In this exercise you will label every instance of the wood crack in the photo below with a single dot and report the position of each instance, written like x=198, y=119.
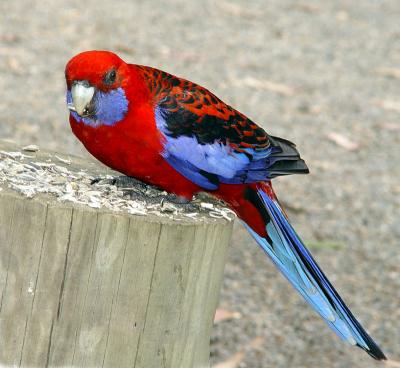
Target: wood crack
x=65, y=267
x=148, y=298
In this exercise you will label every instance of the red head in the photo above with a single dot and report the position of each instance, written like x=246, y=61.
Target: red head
x=100, y=87
x=103, y=70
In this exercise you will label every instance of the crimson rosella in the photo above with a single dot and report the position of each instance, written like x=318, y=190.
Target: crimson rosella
x=176, y=135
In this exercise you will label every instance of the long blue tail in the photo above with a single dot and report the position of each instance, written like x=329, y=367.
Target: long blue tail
x=293, y=259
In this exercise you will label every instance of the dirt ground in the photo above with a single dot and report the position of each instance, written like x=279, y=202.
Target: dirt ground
x=324, y=74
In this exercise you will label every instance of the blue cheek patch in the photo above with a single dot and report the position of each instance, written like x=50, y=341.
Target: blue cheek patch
x=111, y=107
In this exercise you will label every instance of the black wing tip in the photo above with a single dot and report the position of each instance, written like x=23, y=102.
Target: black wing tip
x=288, y=167
x=302, y=167
x=287, y=159
x=275, y=141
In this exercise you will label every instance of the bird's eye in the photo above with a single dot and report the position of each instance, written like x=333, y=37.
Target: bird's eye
x=110, y=77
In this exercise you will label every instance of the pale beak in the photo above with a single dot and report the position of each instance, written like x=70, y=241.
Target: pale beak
x=82, y=94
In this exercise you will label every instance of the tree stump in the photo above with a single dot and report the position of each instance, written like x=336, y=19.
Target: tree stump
x=92, y=278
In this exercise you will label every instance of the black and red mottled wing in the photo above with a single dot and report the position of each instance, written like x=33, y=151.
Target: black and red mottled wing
x=201, y=113
x=209, y=142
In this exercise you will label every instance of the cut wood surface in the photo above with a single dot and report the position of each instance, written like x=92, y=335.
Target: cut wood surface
x=85, y=283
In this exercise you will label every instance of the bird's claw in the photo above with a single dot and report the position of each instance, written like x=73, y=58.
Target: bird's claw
x=123, y=182
x=129, y=186
x=176, y=199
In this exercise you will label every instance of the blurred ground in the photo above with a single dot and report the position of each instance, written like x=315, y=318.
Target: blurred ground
x=315, y=72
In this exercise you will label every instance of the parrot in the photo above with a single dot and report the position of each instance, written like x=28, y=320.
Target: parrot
x=174, y=134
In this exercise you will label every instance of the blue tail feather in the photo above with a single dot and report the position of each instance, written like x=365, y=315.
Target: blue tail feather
x=290, y=255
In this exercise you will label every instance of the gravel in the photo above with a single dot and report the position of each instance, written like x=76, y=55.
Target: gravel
x=303, y=70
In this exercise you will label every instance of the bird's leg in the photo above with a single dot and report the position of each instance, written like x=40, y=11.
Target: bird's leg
x=128, y=185
x=122, y=182
x=176, y=199
x=136, y=189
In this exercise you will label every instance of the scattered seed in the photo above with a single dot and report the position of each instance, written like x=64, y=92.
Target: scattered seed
x=63, y=160
x=31, y=148
x=30, y=178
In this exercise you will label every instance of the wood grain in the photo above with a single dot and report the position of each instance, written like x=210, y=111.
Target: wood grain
x=83, y=287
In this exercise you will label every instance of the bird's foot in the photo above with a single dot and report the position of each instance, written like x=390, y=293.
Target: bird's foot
x=122, y=182
x=136, y=189
x=176, y=199
x=129, y=186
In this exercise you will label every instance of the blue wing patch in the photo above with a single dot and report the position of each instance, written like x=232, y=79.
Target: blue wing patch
x=209, y=164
